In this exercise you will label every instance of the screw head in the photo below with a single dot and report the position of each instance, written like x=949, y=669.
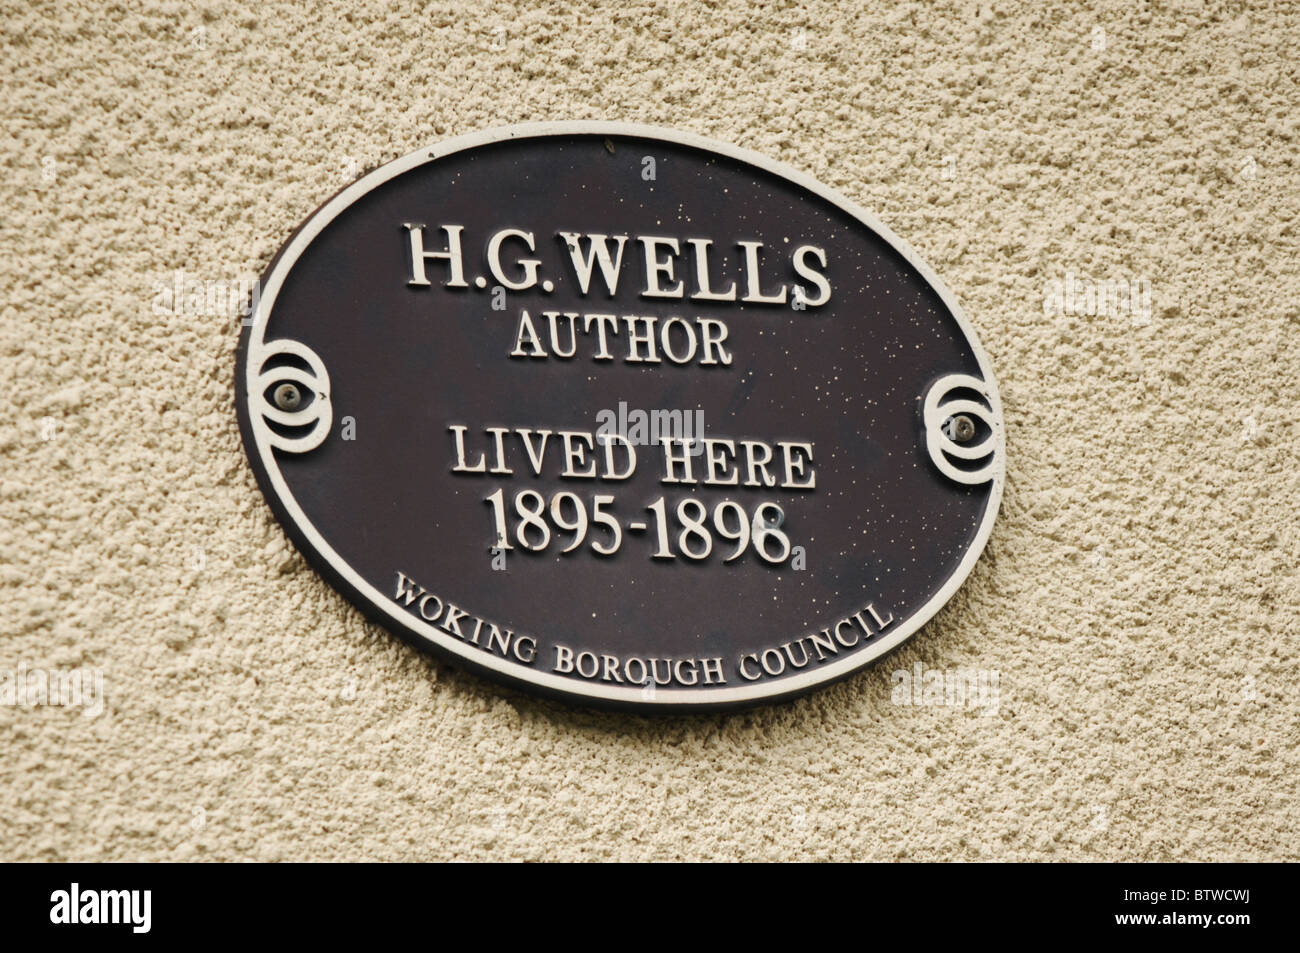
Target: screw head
x=287, y=397
x=961, y=428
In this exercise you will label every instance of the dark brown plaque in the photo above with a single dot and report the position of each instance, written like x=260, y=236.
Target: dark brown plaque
x=621, y=415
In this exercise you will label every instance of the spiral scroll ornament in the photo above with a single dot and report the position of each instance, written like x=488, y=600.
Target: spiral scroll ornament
x=942, y=438
x=289, y=402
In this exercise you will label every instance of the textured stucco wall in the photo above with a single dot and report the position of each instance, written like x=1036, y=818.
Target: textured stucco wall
x=1139, y=596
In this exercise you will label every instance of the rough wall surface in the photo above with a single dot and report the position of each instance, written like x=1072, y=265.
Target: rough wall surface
x=1138, y=601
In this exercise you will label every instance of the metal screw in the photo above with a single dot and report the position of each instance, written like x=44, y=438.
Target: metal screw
x=961, y=428
x=287, y=397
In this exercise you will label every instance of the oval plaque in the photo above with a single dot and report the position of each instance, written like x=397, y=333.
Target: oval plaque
x=621, y=415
